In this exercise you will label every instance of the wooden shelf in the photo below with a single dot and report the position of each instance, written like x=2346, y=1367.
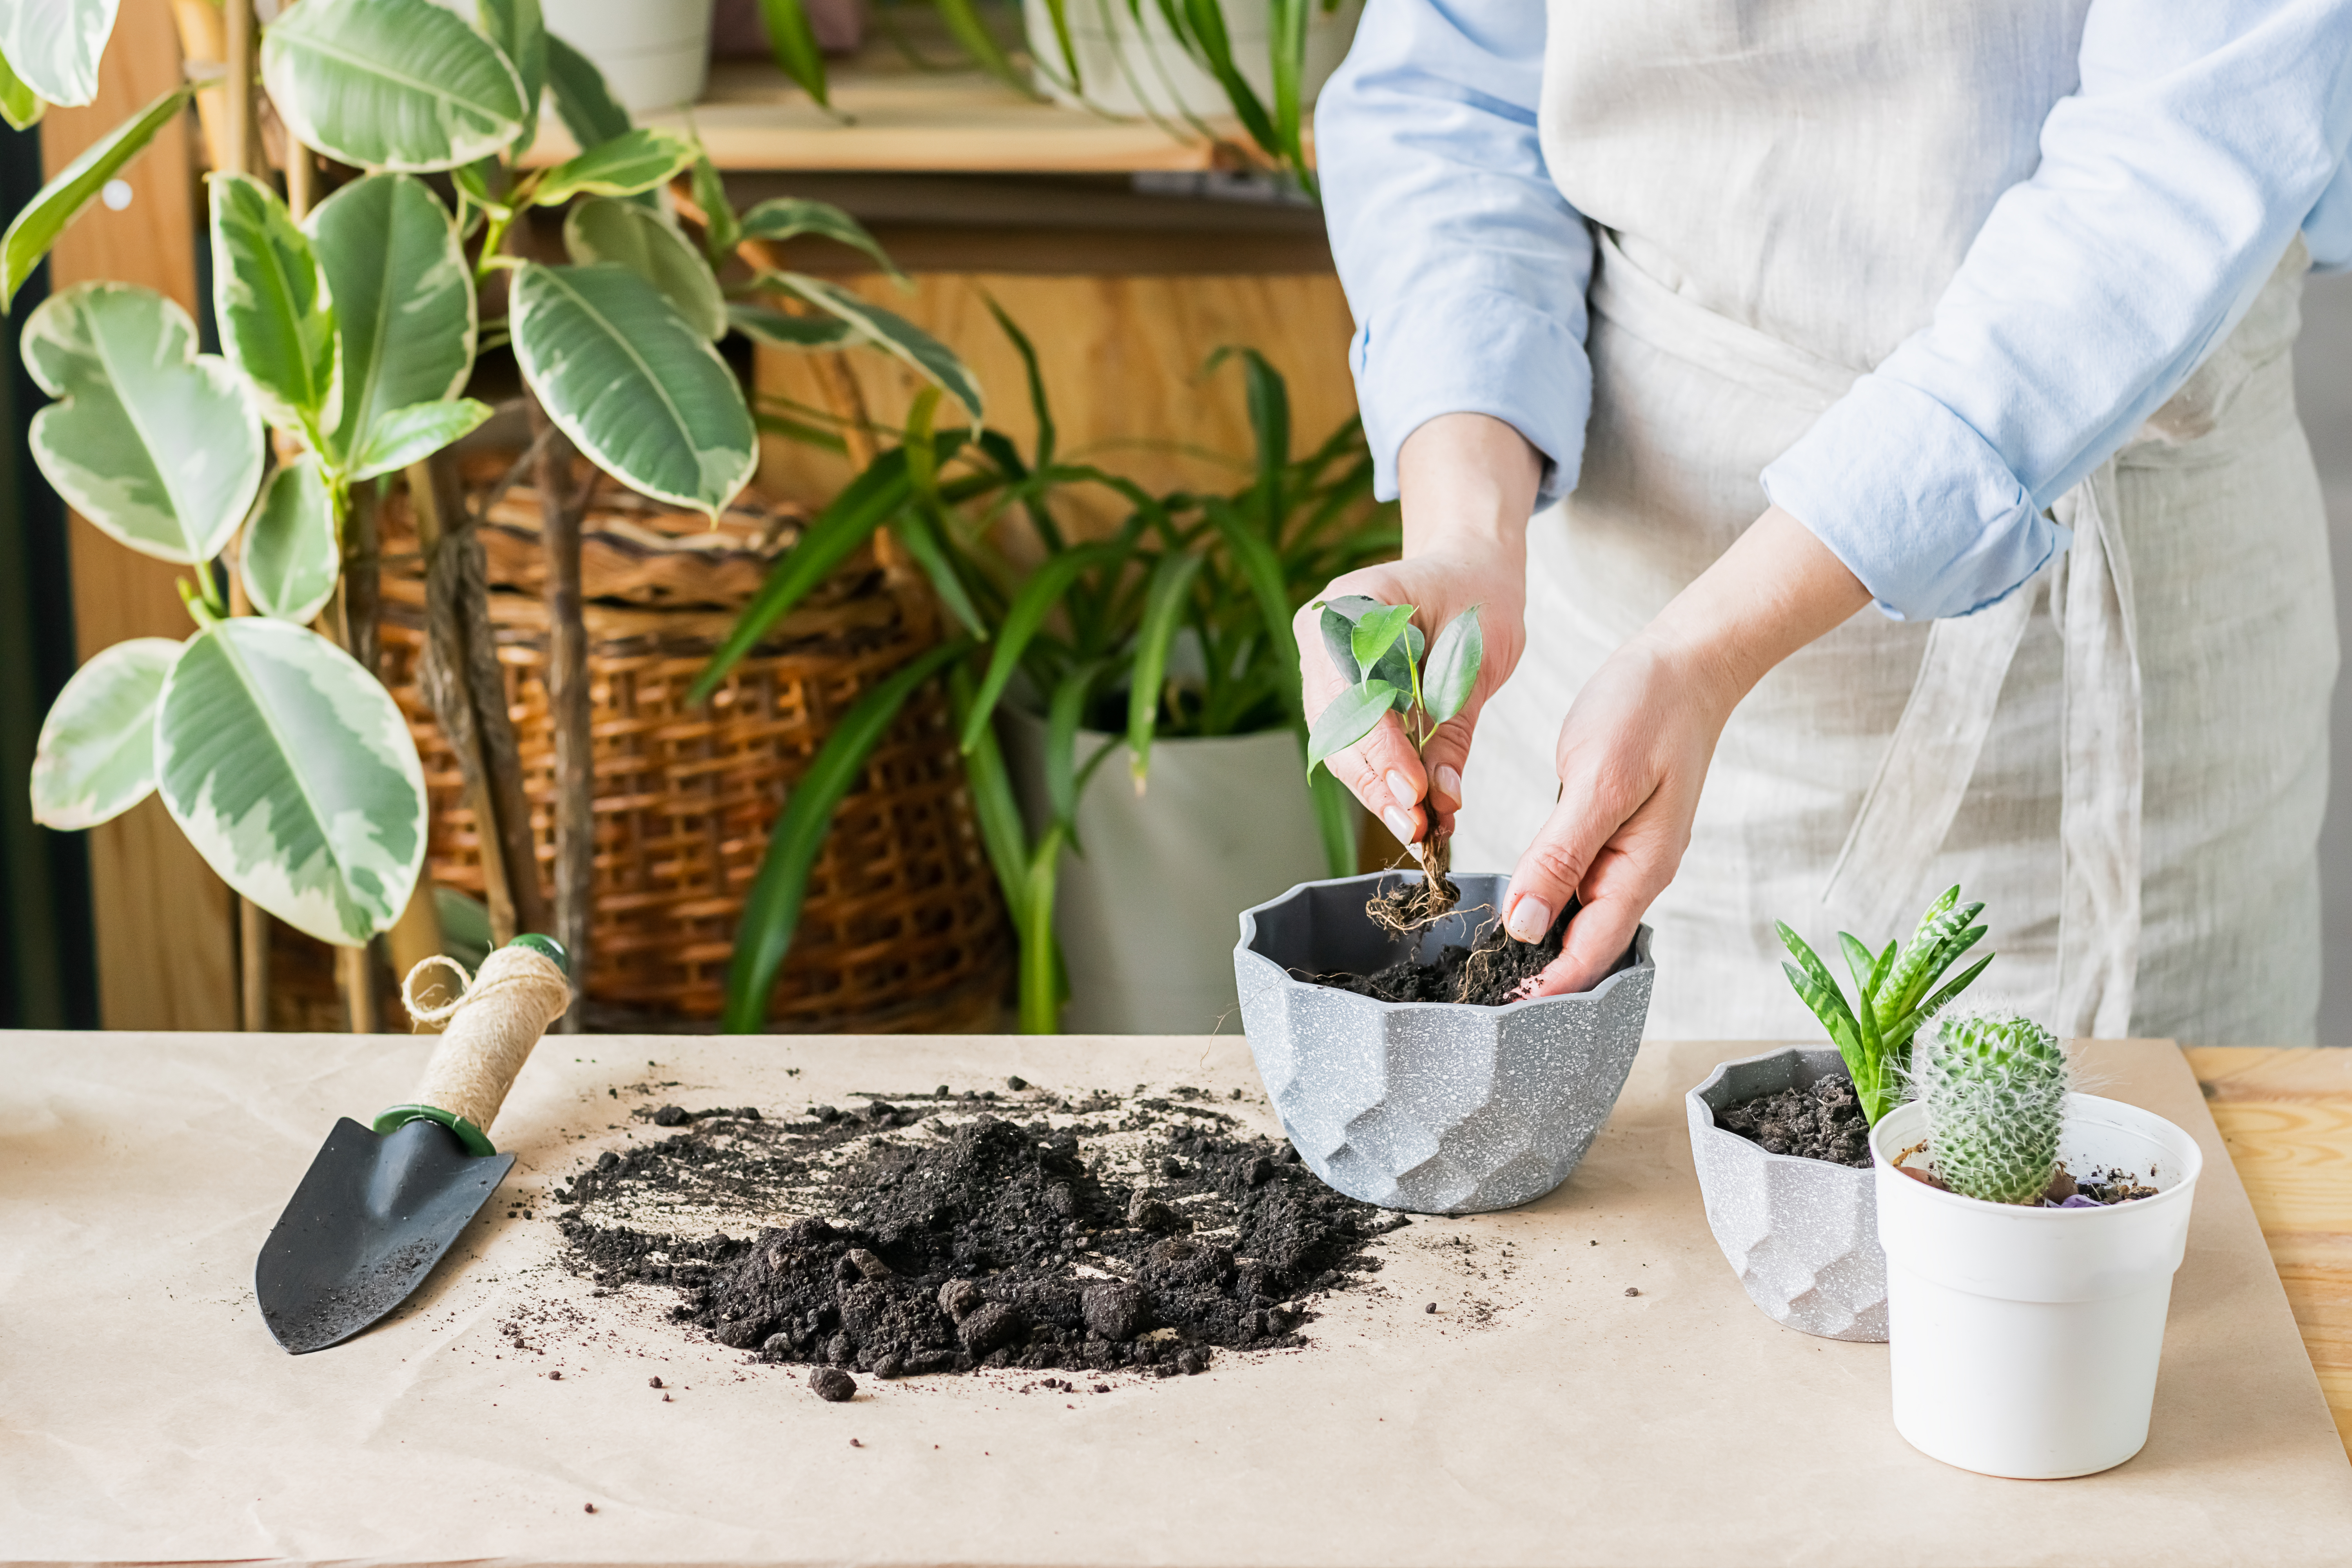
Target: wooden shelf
x=895, y=118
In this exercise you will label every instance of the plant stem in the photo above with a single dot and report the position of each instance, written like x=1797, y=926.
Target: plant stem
x=568, y=704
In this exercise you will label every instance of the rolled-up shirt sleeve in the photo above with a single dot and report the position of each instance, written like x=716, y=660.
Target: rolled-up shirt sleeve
x=1464, y=266
x=2204, y=134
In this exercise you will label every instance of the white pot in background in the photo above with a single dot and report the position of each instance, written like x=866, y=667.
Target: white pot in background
x=1128, y=71
x=2025, y=1341
x=1147, y=916
x=654, y=54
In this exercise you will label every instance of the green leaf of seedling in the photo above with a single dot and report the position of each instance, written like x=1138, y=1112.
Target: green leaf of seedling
x=1377, y=632
x=794, y=44
x=36, y=229
x=637, y=237
x=20, y=106
x=894, y=334
x=1400, y=666
x=1340, y=643
x=411, y=435
x=1163, y=611
x=622, y=167
x=96, y=756
x=277, y=318
x=789, y=218
x=290, y=560
x=802, y=334
x=1452, y=672
x=772, y=911
x=582, y=101
x=520, y=31
x=391, y=84
x=1022, y=620
x=1348, y=719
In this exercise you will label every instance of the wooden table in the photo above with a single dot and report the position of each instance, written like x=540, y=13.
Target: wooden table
x=2286, y=1116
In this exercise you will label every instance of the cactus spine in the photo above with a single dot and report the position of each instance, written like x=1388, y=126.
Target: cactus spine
x=1996, y=1095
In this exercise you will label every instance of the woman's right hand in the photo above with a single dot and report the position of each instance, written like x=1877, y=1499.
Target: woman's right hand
x=1468, y=484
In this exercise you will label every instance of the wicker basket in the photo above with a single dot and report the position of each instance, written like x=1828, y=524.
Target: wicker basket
x=903, y=928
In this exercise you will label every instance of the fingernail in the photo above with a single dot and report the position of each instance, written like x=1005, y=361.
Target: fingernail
x=1399, y=823
x=1449, y=783
x=1401, y=790
x=1530, y=918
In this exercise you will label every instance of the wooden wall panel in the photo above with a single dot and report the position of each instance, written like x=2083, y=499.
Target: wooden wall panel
x=1121, y=358
x=165, y=923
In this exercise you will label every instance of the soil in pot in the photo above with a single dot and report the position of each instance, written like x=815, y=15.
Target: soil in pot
x=936, y=1232
x=1494, y=969
x=2099, y=1188
x=1820, y=1120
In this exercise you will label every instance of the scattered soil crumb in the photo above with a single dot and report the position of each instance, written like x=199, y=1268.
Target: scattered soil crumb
x=1820, y=1121
x=832, y=1384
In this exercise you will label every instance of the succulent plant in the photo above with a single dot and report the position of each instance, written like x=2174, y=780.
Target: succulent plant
x=1875, y=1037
x=1995, y=1091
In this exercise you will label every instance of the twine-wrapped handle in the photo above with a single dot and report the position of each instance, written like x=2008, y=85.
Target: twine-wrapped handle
x=492, y=1024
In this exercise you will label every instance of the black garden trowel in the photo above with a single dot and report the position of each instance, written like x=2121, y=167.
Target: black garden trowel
x=380, y=1206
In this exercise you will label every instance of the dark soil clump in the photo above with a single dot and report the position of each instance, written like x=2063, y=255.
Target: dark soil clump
x=1144, y=1235
x=1494, y=969
x=1823, y=1121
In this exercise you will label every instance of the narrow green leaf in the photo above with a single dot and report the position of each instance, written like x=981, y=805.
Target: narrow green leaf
x=1262, y=570
x=802, y=334
x=289, y=561
x=635, y=386
x=1063, y=717
x=52, y=45
x=391, y=84
x=996, y=810
x=789, y=218
x=721, y=229
x=847, y=522
x=794, y=43
x=894, y=334
x=1041, y=989
x=964, y=22
x=411, y=435
x=1040, y=408
x=520, y=31
x=582, y=101
x=772, y=911
x=921, y=535
x=1377, y=632
x=96, y=756
x=156, y=444
x=1827, y=1004
x=640, y=239
x=1287, y=38
x=1058, y=12
x=622, y=167
x=1335, y=818
x=19, y=104
x=292, y=773
x=1027, y=613
x=404, y=303
x=1348, y=719
x=276, y=318
x=1453, y=671
x=1163, y=611
x=1213, y=46
x=36, y=229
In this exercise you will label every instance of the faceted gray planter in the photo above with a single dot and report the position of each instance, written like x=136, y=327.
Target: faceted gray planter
x=1802, y=1235
x=1437, y=1108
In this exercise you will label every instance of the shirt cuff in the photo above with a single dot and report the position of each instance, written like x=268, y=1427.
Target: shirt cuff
x=1481, y=351
x=1915, y=502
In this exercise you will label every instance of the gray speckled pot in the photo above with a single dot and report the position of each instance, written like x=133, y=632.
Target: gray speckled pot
x=1437, y=1108
x=1802, y=1235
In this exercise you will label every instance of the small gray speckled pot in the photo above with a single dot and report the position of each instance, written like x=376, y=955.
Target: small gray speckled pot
x=1802, y=1235
x=1437, y=1108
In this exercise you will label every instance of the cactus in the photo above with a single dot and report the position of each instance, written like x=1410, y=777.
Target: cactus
x=1875, y=1037
x=1996, y=1095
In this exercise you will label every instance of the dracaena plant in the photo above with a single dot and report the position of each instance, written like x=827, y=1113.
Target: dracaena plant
x=1392, y=668
x=1897, y=994
x=351, y=330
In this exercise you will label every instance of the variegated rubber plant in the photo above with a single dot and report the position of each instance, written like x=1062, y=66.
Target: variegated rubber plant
x=351, y=330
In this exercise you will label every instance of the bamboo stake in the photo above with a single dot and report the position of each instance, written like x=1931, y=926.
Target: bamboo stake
x=568, y=702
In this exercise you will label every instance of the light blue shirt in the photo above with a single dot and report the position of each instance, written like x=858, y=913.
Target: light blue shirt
x=2203, y=134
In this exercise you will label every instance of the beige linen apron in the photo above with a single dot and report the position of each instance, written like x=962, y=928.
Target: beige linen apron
x=2127, y=757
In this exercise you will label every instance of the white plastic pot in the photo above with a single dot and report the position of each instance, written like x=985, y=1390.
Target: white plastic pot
x=654, y=54
x=1145, y=916
x=1128, y=70
x=2025, y=1341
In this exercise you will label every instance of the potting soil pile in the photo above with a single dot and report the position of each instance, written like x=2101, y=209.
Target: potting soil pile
x=948, y=1232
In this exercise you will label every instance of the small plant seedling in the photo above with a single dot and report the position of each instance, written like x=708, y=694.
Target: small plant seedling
x=1875, y=1037
x=1381, y=654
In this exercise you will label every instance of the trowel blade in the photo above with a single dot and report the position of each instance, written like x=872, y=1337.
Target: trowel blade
x=372, y=1217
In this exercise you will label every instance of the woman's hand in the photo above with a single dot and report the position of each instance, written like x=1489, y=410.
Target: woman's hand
x=1468, y=484
x=1634, y=749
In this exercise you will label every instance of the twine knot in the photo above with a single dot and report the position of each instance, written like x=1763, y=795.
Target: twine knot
x=513, y=982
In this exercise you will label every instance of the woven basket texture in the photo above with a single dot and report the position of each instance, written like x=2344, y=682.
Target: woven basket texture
x=903, y=928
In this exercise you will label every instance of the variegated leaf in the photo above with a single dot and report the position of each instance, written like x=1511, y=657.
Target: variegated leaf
x=277, y=316
x=96, y=756
x=621, y=167
x=391, y=84
x=635, y=388
x=892, y=333
x=154, y=443
x=805, y=334
x=520, y=33
x=290, y=560
x=20, y=106
x=405, y=304
x=635, y=237
x=38, y=223
x=54, y=45
x=410, y=434
x=290, y=769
